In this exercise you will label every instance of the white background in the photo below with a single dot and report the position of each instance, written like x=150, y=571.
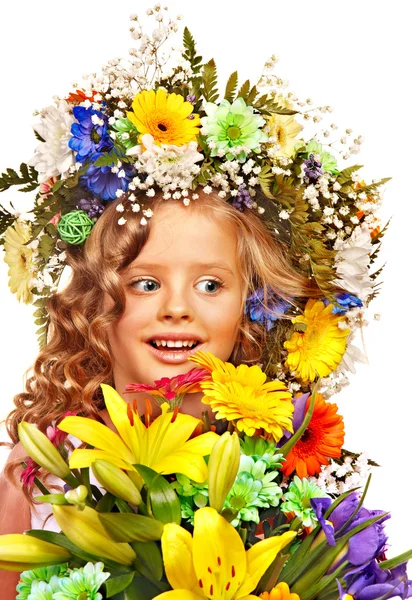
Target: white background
x=354, y=56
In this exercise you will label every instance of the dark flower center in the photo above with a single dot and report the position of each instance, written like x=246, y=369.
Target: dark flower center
x=95, y=137
x=162, y=127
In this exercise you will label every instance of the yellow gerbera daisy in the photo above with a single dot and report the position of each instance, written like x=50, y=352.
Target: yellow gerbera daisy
x=240, y=394
x=165, y=117
x=20, y=259
x=284, y=128
x=280, y=592
x=319, y=349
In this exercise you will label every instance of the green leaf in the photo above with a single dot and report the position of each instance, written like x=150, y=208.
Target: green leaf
x=231, y=86
x=391, y=563
x=251, y=96
x=27, y=177
x=118, y=583
x=209, y=75
x=106, y=503
x=244, y=90
x=6, y=219
x=162, y=498
x=142, y=589
x=149, y=561
x=125, y=527
x=346, y=175
x=190, y=53
x=372, y=187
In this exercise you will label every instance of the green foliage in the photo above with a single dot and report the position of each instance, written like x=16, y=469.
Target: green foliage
x=210, y=85
x=190, y=53
x=27, y=177
x=231, y=86
x=42, y=320
x=266, y=181
x=118, y=583
x=345, y=176
x=162, y=499
x=372, y=187
x=6, y=219
x=244, y=90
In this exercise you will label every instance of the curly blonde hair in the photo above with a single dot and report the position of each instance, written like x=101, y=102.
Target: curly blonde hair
x=77, y=358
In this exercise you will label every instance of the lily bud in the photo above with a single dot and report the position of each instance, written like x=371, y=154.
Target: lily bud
x=223, y=467
x=84, y=529
x=41, y=450
x=20, y=552
x=115, y=481
x=77, y=496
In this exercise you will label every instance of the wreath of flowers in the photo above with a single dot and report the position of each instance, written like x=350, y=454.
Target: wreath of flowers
x=157, y=122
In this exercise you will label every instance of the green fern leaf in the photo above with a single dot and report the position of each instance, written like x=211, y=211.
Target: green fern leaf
x=374, y=186
x=6, y=219
x=231, y=86
x=190, y=51
x=209, y=74
x=244, y=90
x=27, y=176
x=346, y=175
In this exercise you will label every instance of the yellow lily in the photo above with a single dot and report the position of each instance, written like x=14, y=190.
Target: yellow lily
x=214, y=563
x=20, y=552
x=164, y=446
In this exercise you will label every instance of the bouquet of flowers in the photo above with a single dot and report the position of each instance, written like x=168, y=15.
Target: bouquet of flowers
x=197, y=508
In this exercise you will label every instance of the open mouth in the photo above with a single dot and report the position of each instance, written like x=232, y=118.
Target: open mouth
x=174, y=346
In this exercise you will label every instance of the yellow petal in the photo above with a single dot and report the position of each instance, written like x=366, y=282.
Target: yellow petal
x=83, y=528
x=202, y=444
x=219, y=556
x=178, y=557
x=187, y=463
x=259, y=557
x=20, y=552
x=164, y=437
x=98, y=435
x=179, y=595
x=117, y=409
x=85, y=458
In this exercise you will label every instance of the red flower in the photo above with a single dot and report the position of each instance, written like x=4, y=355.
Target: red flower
x=80, y=96
x=172, y=389
x=322, y=440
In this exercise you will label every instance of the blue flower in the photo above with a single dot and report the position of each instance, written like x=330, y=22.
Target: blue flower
x=256, y=310
x=371, y=582
x=103, y=182
x=346, y=302
x=89, y=134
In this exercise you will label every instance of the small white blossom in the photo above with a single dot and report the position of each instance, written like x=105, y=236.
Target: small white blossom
x=122, y=221
x=120, y=208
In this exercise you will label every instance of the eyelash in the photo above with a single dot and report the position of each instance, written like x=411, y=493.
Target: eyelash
x=215, y=280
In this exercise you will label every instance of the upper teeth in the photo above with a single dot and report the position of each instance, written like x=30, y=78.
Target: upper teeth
x=175, y=344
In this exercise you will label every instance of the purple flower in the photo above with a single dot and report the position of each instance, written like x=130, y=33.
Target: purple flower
x=372, y=582
x=93, y=206
x=89, y=134
x=345, y=301
x=313, y=169
x=102, y=182
x=190, y=98
x=365, y=545
x=243, y=199
x=256, y=310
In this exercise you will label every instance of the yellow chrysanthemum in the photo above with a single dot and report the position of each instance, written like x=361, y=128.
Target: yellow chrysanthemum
x=20, y=259
x=280, y=592
x=284, y=128
x=319, y=349
x=240, y=394
x=165, y=117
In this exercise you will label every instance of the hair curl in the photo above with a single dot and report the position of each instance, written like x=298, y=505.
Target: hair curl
x=77, y=358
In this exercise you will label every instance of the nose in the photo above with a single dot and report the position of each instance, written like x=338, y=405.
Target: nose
x=176, y=305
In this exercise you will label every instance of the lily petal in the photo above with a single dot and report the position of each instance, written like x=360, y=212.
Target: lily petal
x=98, y=435
x=178, y=557
x=259, y=557
x=186, y=463
x=219, y=556
x=202, y=444
x=166, y=436
x=117, y=409
x=85, y=458
x=180, y=595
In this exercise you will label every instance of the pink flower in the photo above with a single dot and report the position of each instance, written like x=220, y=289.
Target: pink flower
x=172, y=389
x=29, y=473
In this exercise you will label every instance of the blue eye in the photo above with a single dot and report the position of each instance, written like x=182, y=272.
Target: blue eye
x=214, y=282
x=147, y=283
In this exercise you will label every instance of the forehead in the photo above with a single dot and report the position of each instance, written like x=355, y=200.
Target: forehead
x=181, y=236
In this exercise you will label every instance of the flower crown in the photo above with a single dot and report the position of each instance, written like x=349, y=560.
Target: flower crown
x=156, y=123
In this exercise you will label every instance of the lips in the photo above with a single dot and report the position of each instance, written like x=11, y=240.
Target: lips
x=173, y=357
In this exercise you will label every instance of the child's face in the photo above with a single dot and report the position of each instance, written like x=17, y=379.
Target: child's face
x=177, y=294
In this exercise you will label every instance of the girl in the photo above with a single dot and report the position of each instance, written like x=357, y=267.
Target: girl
x=185, y=276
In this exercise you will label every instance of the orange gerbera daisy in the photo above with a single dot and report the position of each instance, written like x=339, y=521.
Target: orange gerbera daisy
x=322, y=440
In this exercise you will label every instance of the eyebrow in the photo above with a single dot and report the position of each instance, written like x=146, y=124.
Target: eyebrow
x=200, y=265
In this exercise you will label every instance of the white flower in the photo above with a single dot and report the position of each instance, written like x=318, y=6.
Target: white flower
x=207, y=189
x=53, y=157
x=352, y=264
x=310, y=193
x=351, y=356
x=121, y=221
x=284, y=214
x=120, y=208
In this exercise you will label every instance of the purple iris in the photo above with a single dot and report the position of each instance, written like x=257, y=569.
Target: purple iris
x=89, y=134
x=346, y=302
x=298, y=416
x=365, y=545
x=256, y=310
x=243, y=199
x=93, y=206
x=102, y=182
x=313, y=169
x=371, y=582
